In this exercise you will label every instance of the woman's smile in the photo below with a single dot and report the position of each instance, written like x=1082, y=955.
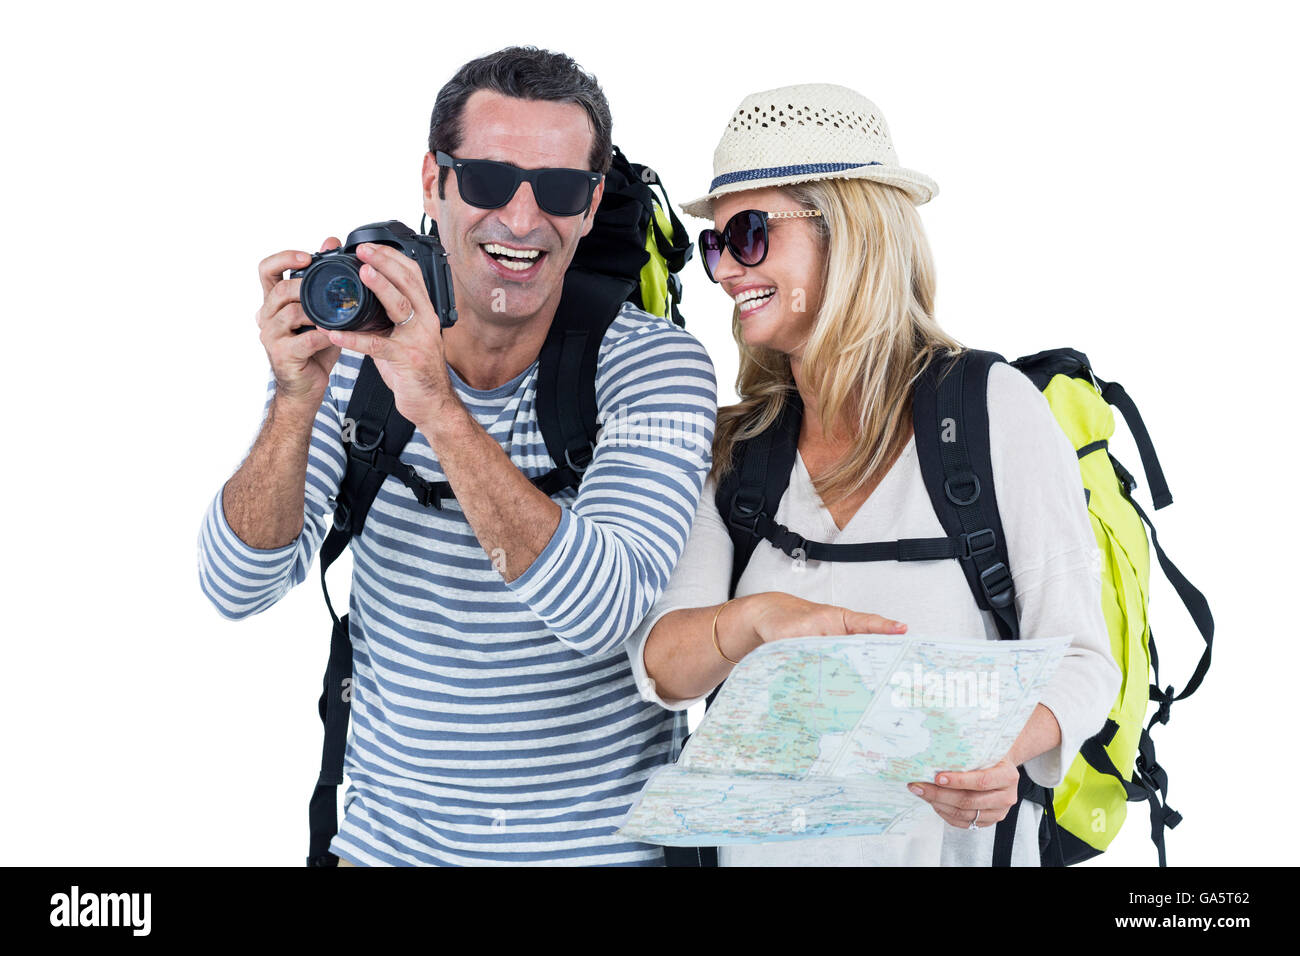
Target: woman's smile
x=752, y=298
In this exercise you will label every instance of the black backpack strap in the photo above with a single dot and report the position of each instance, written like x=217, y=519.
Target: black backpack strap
x=752, y=489
x=1041, y=367
x=1147, y=770
x=690, y=856
x=379, y=433
x=1197, y=607
x=1049, y=843
x=951, y=422
x=566, y=374
x=1150, y=780
x=1114, y=394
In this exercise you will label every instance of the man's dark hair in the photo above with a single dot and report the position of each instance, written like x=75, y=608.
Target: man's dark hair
x=527, y=73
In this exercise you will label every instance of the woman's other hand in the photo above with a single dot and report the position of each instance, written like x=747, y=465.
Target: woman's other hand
x=983, y=797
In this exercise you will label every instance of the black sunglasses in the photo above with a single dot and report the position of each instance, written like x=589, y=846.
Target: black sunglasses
x=490, y=185
x=744, y=236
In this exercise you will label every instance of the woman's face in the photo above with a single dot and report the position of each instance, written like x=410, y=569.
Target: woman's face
x=778, y=298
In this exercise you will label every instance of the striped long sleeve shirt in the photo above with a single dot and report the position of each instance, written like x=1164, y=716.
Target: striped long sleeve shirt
x=499, y=722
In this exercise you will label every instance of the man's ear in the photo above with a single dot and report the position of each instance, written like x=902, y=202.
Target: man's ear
x=429, y=179
x=589, y=218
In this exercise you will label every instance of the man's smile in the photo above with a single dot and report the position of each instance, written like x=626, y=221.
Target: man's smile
x=518, y=263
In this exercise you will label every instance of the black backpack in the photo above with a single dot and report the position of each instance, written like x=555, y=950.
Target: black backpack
x=606, y=272
x=950, y=399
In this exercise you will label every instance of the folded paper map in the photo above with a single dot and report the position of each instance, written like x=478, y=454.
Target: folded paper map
x=819, y=736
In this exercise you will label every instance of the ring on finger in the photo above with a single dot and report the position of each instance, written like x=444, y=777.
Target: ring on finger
x=407, y=319
x=974, y=824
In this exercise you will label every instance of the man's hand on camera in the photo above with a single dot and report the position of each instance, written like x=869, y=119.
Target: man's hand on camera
x=409, y=357
x=301, y=362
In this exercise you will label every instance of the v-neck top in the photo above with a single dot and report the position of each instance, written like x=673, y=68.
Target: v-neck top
x=829, y=530
x=1055, y=564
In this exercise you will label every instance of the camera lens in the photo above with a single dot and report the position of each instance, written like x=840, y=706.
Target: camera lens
x=342, y=297
x=334, y=297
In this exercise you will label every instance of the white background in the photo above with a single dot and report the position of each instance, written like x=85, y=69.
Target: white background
x=1118, y=177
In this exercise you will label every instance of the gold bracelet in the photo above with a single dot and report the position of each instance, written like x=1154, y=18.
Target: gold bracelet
x=715, y=635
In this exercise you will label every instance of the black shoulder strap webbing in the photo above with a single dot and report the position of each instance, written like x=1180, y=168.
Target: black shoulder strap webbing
x=1147, y=772
x=1114, y=394
x=753, y=486
x=378, y=431
x=566, y=372
x=951, y=422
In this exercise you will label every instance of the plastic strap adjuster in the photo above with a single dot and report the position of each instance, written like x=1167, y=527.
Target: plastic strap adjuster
x=996, y=583
x=968, y=547
x=1166, y=698
x=740, y=511
x=342, y=515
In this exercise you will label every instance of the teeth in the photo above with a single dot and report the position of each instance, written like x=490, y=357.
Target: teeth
x=752, y=299
x=493, y=249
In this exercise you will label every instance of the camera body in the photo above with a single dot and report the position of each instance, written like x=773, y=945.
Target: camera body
x=334, y=297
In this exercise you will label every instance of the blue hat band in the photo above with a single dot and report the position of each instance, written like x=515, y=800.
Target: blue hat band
x=777, y=172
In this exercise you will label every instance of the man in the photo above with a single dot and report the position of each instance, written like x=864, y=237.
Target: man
x=494, y=714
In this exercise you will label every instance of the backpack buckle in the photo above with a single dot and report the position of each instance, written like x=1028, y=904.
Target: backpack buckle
x=1161, y=715
x=996, y=584
x=790, y=542
x=342, y=515
x=427, y=495
x=675, y=283
x=574, y=466
x=1125, y=476
x=741, y=511
x=968, y=547
x=362, y=447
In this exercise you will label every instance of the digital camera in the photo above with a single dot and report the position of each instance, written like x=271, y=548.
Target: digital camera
x=334, y=297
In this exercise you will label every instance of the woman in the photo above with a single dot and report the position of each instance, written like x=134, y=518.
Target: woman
x=817, y=240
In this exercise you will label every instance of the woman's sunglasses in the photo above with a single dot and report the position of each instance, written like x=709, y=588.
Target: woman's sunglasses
x=491, y=185
x=745, y=236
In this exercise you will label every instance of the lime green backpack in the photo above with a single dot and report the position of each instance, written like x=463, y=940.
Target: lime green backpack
x=638, y=234
x=1119, y=764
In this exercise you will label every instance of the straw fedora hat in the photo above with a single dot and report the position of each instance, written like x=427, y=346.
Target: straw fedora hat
x=798, y=133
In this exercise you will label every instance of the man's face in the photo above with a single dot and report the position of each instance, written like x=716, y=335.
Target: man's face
x=530, y=134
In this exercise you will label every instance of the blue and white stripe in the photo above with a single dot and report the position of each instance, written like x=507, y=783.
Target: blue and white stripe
x=777, y=172
x=497, y=723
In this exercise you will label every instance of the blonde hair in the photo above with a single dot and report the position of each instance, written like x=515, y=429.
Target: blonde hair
x=873, y=334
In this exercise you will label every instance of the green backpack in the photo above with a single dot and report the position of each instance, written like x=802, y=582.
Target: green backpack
x=1091, y=802
x=1116, y=765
